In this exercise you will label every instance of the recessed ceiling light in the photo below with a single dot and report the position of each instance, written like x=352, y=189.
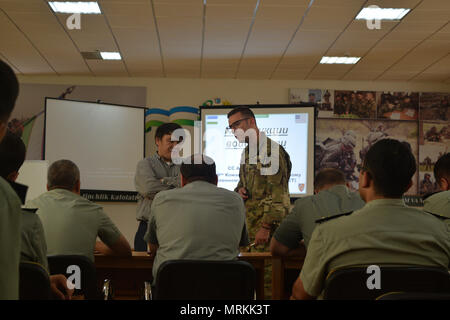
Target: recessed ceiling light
x=375, y=13
x=110, y=55
x=339, y=60
x=75, y=7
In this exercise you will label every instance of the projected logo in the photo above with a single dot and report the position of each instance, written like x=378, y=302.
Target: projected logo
x=301, y=187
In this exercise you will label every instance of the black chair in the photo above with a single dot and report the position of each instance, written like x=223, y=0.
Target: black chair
x=204, y=280
x=34, y=282
x=59, y=264
x=350, y=283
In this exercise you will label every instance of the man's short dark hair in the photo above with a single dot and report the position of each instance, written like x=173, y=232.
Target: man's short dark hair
x=12, y=154
x=9, y=90
x=442, y=168
x=166, y=128
x=391, y=165
x=245, y=111
x=328, y=176
x=205, y=171
x=63, y=174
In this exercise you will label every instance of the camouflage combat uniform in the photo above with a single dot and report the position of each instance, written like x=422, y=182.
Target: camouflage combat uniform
x=268, y=195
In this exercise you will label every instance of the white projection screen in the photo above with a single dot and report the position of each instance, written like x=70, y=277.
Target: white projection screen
x=292, y=126
x=33, y=173
x=105, y=141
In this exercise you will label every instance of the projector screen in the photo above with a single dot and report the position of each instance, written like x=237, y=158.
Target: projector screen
x=33, y=173
x=292, y=126
x=105, y=141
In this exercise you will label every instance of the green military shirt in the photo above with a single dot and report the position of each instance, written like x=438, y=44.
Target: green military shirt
x=199, y=221
x=72, y=223
x=10, y=222
x=34, y=247
x=300, y=223
x=438, y=203
x=268, y=191
x=384, y=231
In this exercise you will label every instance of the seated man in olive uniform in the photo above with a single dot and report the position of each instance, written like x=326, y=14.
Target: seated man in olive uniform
x=33, y=246
x=439, y=202
x=384, y=231
x=198, y=221
x=10, y=220
x=331, y=198
x=71, y=222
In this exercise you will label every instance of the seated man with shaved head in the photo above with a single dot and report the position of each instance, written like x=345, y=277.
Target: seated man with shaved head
x=71, y=222
x=331, y=198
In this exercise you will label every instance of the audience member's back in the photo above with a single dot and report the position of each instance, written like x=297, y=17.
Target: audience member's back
x=439, y=203
x=200, y=215
x=331, y=199
x=199, y=221
x=384, y=231
x=10, y=219
x=71, y=222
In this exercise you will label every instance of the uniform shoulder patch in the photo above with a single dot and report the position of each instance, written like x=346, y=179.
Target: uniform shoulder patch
x=333, y=217
x=30, y=210
x=437, y=215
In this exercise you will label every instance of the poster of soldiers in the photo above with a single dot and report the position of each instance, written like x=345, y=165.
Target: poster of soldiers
x=343, y=143
x=435, y=106
x=323, y=99
x=398, y=105
x=355, y=104
x=434, y=141
x=427, y=183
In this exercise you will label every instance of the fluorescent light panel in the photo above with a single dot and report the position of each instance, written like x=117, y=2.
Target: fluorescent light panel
x=381, y=14
x=75, y=7
x=110, y=55
x=339, y=60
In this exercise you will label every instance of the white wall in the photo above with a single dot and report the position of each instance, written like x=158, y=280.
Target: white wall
x=175, y=92
x=167, y=93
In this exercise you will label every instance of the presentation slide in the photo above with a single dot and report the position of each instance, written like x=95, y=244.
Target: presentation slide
x=291, y=127
x=105, y=141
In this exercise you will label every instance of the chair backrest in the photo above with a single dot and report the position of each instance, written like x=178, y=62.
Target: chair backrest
x=204, y=280
x=34, y=282
x=59, y=264
x=359, y=283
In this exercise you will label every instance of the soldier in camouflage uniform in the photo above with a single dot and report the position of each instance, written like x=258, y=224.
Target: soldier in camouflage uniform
x=262, y=184
x=371, y=105
x=358, y=106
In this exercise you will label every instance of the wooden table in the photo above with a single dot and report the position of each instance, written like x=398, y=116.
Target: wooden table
x=280, y=266
x=129, y=273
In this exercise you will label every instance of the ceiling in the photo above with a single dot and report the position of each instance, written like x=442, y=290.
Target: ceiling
x=231, y=39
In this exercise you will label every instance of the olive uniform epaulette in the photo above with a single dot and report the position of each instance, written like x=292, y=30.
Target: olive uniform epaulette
x=437, y=215
x=30, y=210
x=333, y=217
